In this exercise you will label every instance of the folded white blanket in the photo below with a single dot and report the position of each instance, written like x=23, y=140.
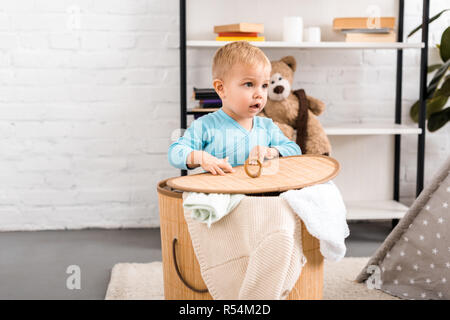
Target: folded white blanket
x=323, y=212
x=253, y=253
x=211, y=207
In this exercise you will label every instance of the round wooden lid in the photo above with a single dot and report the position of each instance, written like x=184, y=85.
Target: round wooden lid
x=281, y=174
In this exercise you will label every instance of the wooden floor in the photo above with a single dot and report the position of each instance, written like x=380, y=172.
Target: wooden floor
x=33, y=265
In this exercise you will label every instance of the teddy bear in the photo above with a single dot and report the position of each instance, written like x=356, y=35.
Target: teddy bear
x=294, y=112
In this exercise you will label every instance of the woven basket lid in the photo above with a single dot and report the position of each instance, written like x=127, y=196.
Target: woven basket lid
x=281, y=174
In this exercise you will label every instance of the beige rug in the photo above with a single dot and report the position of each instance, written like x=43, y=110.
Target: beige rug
x=138, y=281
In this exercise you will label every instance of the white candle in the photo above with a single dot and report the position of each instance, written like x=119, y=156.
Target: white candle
x=293, y=29
x=312, y=34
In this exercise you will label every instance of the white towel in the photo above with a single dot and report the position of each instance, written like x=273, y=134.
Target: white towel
x=253, y=253
x=323, y=212
x=211, y=207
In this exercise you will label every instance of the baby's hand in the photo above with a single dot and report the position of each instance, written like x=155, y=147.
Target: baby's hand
x=261, y=152
x=215, y=165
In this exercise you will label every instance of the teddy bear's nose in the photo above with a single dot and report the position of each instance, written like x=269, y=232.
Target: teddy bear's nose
x=278, y=89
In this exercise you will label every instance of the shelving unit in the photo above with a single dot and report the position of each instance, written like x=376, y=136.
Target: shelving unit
x=370, y=210
x=348, y=128
x=369, y=128
x=313, y=45
x=366, y=209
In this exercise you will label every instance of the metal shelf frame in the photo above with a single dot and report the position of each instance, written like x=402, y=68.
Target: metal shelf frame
x=398, y=92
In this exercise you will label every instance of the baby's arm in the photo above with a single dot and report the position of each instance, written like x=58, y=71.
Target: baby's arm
x=180, y=150
x=262, y=152
x=209, y=162
x=186, y=152
x=279, y=141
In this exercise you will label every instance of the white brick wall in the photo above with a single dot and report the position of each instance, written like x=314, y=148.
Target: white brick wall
x=87, y=105
x=89, y=95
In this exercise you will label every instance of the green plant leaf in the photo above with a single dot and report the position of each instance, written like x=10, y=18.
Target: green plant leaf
x=433, y=105
x=432, y=86
x=414, y=112
x=444, y=49
x=444, y=90
x=438, y=120
x=434, y=67
x=430, y=21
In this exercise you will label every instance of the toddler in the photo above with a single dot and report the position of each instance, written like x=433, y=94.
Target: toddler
x=224, y=139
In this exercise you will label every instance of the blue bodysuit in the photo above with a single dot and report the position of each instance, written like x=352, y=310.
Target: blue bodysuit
x=220, y=135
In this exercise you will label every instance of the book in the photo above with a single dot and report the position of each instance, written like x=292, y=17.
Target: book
x=210, y=105
x=240, y=38
x=367, y=37
x=205, y=94
x=377, y=31
x=203, y=109
x=238, y=34
x=211, y=101
x=362, y=23
x=240, y=27
x=204, y=90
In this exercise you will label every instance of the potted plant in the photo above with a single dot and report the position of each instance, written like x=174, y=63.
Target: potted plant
x=438, y=90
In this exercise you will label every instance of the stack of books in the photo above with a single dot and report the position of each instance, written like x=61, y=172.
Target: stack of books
x=366, y=29
x=240, y=31
x=208, y=100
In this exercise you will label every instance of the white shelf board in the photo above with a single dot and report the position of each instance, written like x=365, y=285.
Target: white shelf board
x=369, y=128
x=363, y=128
x=375, y=210
x=312, y=45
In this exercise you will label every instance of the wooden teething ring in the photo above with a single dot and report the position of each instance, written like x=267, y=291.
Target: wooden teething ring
x=252, y=175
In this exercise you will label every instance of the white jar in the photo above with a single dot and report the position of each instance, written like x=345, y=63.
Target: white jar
x=293, y=29
x=312, y=34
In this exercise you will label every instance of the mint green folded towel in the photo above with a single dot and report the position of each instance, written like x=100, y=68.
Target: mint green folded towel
x=210, y=207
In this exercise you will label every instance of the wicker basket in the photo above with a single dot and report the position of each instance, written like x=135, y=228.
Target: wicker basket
x=182, y=277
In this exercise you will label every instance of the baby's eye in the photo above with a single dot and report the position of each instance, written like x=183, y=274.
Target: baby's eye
x=265, y=85
x=249, y=84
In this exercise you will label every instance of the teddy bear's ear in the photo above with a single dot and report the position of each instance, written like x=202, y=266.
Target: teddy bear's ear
x=290, y=61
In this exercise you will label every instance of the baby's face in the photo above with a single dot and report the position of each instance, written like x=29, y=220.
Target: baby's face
x=246, y=88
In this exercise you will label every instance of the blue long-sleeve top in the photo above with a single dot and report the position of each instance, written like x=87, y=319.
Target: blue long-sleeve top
x=220, y=135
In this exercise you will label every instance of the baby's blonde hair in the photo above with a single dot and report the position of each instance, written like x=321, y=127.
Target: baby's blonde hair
x=236, y=52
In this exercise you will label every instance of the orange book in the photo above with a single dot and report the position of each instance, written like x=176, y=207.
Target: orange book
x=238, y=34
x=240, y=38
x=371, y=37
x=240, y=27
x=200, y=109
x=363, y=23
